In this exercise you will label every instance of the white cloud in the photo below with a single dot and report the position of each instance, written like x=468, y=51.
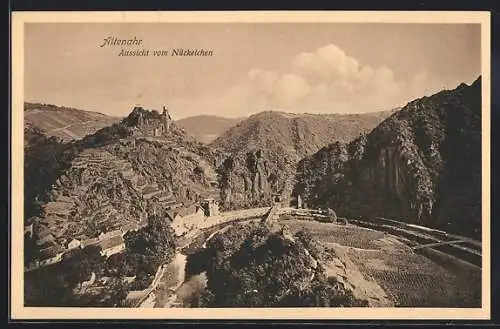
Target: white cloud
x=328, y=62
x=325, y=80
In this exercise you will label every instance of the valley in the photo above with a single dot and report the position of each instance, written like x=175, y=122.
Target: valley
x=277, y=210
x=368, y=262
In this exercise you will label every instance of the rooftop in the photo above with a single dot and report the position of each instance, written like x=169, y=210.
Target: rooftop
x=111, y=242
x=183, y=212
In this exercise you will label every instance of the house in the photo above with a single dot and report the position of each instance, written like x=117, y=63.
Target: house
x=174, y=215
x=89, y=242
x=104, y=236
x=185, y=219
x=191, y=212
x=74, y=243
x=112, y=246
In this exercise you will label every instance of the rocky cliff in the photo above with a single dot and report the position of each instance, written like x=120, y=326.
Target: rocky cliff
x=421, y=165
x=259, y=155
x=119, y=176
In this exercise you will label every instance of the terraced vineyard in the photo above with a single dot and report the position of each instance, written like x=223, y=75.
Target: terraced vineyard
x=407, y=277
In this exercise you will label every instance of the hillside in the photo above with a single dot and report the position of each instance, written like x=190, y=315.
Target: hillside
x=262, y=151
x=64, y=122
x=116, y=178
x=253, y=266
x=206, y=128
x=421, y=165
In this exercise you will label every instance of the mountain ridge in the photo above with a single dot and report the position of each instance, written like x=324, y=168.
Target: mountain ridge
x=66, y=123
x=422, y=164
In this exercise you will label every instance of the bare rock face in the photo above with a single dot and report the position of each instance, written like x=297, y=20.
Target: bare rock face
x=422, y=165
x=261, y=153
x=248, y=179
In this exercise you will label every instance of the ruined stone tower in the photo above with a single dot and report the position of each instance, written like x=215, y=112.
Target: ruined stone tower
x=166, y=119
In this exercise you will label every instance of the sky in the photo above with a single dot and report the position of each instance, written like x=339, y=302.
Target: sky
x=292, y=67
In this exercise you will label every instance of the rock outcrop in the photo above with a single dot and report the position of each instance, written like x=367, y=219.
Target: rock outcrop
x=421, y=165
x=121, y=175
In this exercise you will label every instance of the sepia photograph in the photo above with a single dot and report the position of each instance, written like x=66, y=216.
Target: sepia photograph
x=269, y=165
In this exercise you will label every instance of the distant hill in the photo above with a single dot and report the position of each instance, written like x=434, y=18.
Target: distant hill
x=421, y=165
x=296, y=134
x=262, y=151
x=207, y=128
x=64, y=122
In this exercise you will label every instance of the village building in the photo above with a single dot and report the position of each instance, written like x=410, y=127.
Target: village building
x=112, y=246
x=89, y=242
x=74, y=243
x=104, y=236
x=185, y=219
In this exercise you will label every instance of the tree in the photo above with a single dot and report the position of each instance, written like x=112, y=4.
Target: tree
x=116, y=293
x=264, y=269
x=119, y=265
x=30, y=249
x=151, y=246
x=46, y=287
x=80, y=264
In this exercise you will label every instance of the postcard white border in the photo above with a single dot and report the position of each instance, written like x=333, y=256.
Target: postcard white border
x=18, y=19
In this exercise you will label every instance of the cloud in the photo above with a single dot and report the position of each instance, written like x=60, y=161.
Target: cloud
x=285, y=88
x=328, y=62
x=325, y=80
